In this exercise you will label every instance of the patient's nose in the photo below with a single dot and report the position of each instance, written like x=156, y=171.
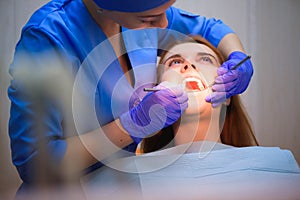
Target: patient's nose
x=187, y=67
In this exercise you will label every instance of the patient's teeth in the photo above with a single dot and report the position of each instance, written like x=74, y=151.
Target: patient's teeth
x=201, y=85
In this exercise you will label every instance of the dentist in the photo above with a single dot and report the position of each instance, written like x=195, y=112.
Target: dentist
x=69, y=31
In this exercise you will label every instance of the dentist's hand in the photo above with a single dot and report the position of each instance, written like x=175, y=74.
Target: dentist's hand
x=156, y=110
x=229, y=83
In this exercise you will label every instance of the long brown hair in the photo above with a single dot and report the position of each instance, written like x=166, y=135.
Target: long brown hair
x=237, y=130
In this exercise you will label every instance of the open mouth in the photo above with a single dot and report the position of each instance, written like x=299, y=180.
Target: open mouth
x=194, y=84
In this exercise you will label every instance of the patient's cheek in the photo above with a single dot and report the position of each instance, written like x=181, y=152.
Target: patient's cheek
x=208, y=73
x=172, y=76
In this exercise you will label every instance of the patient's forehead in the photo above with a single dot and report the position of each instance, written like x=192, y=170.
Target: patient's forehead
x=189, y=49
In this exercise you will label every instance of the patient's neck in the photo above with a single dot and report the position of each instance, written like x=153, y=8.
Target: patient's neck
x=198, y=128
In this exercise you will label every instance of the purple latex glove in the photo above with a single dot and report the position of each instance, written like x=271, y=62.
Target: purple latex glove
x=231, y=82
x=156, y=110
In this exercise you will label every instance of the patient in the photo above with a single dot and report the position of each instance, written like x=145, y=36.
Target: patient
x=193, y=64
x=222, y=171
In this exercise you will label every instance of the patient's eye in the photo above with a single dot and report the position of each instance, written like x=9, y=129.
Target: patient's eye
x=204, y=59
x=173, y=62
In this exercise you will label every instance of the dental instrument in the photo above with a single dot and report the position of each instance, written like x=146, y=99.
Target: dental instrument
x=151, y=89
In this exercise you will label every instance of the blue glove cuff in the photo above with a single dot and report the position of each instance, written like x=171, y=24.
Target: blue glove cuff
x=128, y=126
x=136, y=139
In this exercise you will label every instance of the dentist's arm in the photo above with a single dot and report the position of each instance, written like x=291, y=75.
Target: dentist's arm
x=156, y=110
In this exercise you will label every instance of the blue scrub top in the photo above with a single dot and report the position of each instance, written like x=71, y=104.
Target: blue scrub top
x=65, y=29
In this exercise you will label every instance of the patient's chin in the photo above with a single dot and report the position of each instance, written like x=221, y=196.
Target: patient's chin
x=197, y=105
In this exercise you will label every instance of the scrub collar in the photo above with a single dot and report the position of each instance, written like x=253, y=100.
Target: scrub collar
x=129, y=5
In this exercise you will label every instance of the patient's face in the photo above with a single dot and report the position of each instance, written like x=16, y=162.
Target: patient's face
x=194, y=67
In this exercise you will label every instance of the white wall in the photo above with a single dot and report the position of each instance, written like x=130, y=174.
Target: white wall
x=13, y=14
x=269, y=30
